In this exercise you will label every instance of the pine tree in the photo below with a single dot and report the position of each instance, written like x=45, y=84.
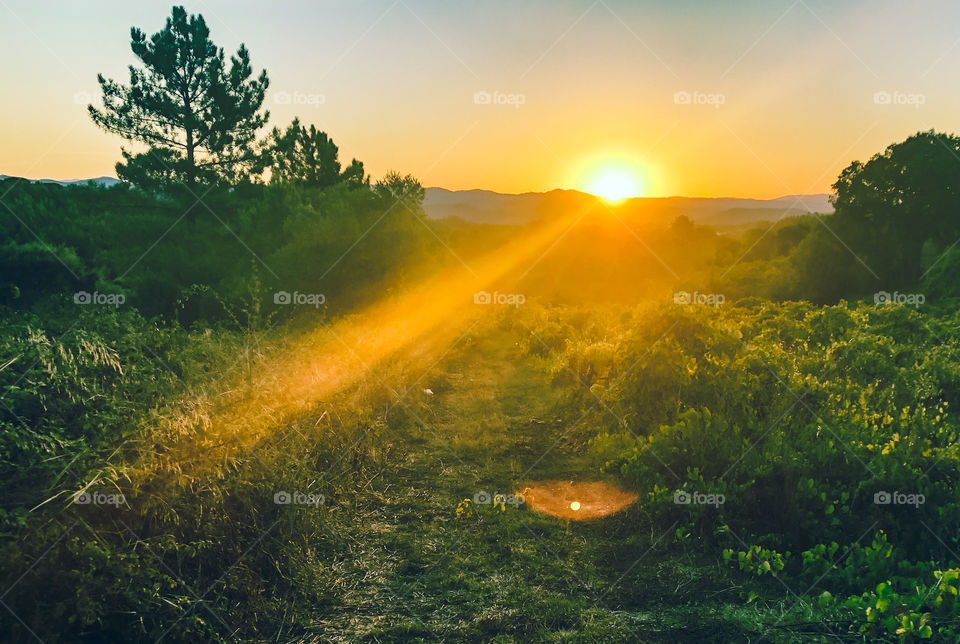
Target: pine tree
x=198, y=118
x=307, y=156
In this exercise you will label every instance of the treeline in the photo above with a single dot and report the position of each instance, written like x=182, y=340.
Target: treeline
x=896, y=226
x=120, y=241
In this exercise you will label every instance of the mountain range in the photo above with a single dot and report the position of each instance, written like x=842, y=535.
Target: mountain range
x=100, y=181
x=484, y=206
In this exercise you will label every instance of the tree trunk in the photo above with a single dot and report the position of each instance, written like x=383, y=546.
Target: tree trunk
x=191, y=175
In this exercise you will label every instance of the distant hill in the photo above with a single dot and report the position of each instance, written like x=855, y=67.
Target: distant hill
x=488, y=207
x=484, y=206
x=106, y=182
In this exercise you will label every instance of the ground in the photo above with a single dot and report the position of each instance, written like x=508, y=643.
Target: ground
x=416, y=572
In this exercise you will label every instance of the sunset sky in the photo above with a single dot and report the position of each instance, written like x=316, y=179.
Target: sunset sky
x=786, y=90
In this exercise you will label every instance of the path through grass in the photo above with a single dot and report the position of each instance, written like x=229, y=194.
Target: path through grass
x=418, y=573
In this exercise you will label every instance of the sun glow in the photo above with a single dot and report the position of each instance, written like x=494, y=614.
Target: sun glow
x=615, y=180
x=614, y=186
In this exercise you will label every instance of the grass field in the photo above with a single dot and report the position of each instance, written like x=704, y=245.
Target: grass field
x=414, y=572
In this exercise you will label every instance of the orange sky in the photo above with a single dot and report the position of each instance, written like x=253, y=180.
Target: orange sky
x=782, y=95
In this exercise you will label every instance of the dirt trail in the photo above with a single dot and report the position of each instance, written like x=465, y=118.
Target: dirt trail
x=426, y=575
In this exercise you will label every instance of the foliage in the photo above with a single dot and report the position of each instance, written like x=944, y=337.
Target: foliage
x=898, y=200
x=120, y=241
x=817, y=426
x=308, y=157
x=197, y=116
x=756, y=560
x=405, y=190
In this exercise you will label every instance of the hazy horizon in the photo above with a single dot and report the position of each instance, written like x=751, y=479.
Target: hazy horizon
x=478, y=189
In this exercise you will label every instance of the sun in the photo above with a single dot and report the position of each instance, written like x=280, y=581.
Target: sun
x=613, y=185
x=614, y=182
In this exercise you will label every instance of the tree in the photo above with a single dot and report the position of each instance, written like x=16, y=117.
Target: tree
x=354, y=176
x=308, y=157
x=197, y=117
x=824, y=269
x=397, y=188
x=889, y=207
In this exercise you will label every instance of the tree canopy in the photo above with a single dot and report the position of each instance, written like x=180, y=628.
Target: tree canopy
x=902, y=198
x=308, y=157
x=399, y=188
x=197, y=115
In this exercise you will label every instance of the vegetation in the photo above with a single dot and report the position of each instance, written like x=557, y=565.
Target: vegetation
x=198, y=117
x=268, y=419
x=308, y=157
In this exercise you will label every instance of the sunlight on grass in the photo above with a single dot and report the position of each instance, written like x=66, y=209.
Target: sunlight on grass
x=222, y=424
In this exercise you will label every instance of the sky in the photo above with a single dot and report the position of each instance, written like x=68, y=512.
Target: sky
x=749, y=98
